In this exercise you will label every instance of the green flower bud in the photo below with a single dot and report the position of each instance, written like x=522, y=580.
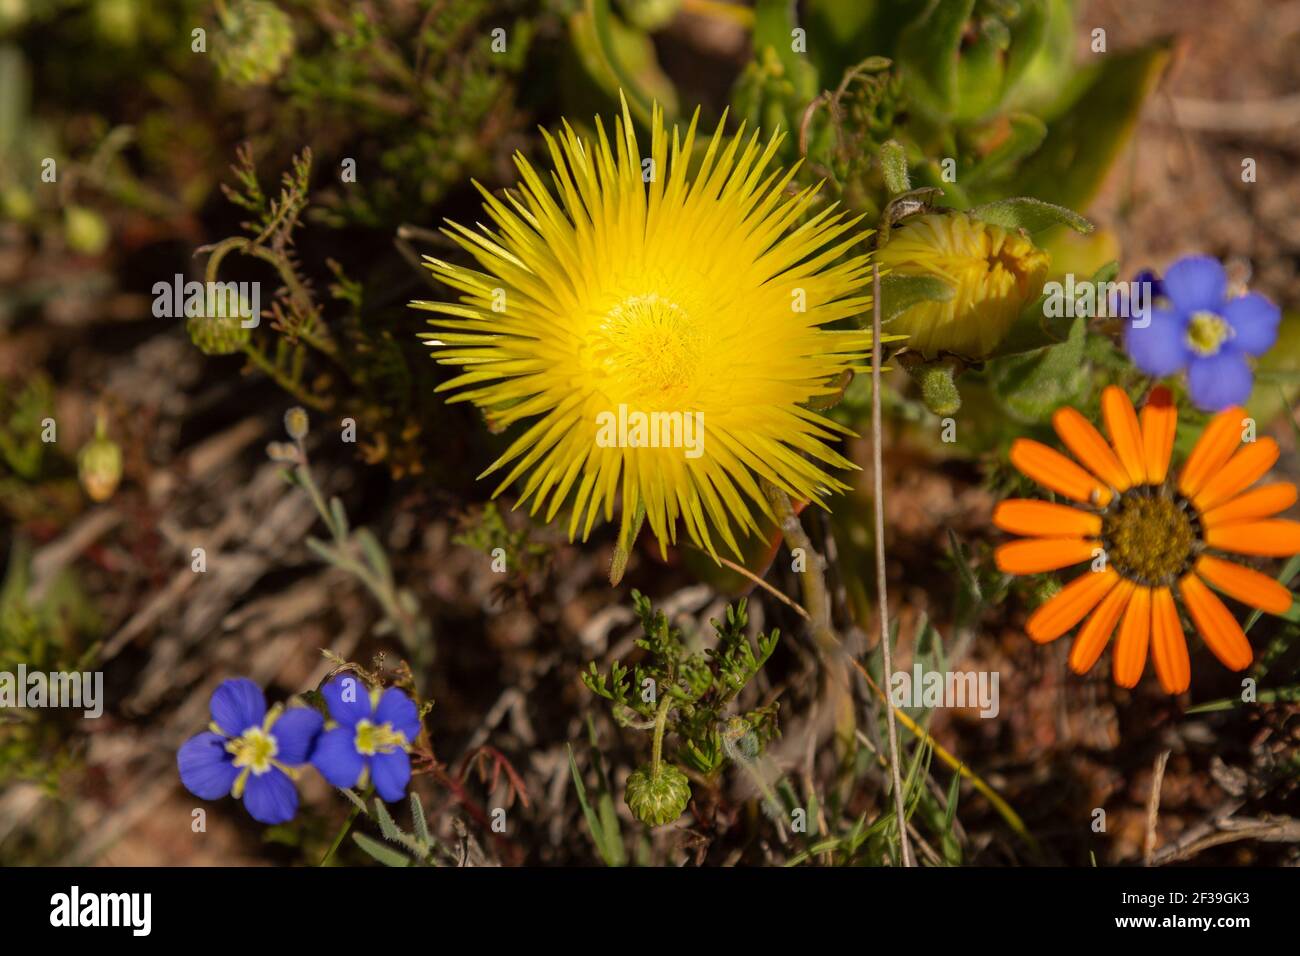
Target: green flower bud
x=255, y=43
x=85, y=230
x=217, y=334
x=657, y=800
x=99, y=466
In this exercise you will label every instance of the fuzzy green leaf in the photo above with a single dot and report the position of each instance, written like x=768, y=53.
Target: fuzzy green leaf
x=381, y=853
x=1031, y=215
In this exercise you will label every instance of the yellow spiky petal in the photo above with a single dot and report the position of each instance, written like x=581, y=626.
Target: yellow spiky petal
x=638, y=284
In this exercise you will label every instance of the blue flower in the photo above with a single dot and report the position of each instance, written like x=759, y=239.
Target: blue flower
x=1195, y=327
x=373, y=737
x=249, y=750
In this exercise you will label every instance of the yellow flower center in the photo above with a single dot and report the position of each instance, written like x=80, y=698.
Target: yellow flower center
x=378, y=738
x=254, y=749
x=1206, y=332
x=1149, y=538
x=650, y=346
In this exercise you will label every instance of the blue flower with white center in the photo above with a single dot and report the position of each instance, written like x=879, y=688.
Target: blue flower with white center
x=372, y=740
x=1196, y=327
x=249, y=752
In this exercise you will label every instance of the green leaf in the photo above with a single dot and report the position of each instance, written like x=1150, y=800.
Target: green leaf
x=383, y=854
x=774, y=23
x=1024, y=134
x=324, y=551
x=960, y=559
x=1083, y=142
x=950, y=804
x=618, y=57
x=893, y=166
x=1276, y=695
x=898, y=293
x=387, y=825
x=1032, y=386
x=375, y=555
x=929, y=50
x=356, y=800
x=339, y=517
x=839, y=30
x=420, y=821
x=608, y=844
x=1031, y=215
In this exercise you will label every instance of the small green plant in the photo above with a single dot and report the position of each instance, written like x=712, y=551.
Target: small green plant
x=485, y=530
x=416, y=847
x=356, y=551
x=49, y=628
x=687, y=693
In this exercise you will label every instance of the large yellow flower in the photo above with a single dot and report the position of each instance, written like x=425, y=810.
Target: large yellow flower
x=689, y=300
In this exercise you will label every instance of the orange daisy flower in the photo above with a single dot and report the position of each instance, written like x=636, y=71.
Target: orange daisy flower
x=1154, y=541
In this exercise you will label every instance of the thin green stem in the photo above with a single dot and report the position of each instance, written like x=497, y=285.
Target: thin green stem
x=343, y=830
x=297, y=391
x=882, y=596
x=661, y=723
x=380, y=588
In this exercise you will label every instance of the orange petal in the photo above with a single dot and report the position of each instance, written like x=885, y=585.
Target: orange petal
x=1168, y=646
x=1243, y=469
x=1067, y=607
x=1094, y=635
x=1215, y=446
x=1130, y=654
x=1262, y=502
x=1159, y=424
x=1122, y=424
x=1054, y=471
x=1216, y=624
x=1090, y=447
x=1275, y=538
x=1244, y=584
x=1037, y=555
x=1044, y=519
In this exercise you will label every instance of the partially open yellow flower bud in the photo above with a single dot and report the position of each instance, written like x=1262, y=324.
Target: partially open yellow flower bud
x=994, y=275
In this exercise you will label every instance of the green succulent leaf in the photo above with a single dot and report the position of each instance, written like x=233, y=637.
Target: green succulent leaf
x=1083, y=142
x=1021, y=134
x=928, y=51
